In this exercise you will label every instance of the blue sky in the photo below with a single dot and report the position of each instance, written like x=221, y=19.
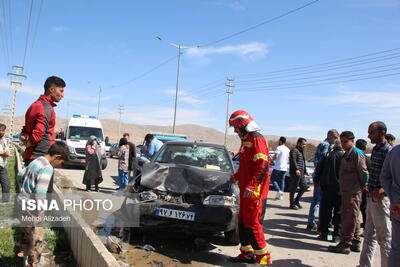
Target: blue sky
x=91, y=43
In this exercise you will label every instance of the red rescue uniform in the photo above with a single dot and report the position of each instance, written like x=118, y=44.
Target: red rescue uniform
x=253, y=173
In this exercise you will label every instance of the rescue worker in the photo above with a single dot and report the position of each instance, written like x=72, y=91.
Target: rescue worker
x=253, y=178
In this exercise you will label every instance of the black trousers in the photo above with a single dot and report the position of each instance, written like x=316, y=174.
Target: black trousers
x=363, y=209
x=331, y=203
x=5, y=185
x=295, y=182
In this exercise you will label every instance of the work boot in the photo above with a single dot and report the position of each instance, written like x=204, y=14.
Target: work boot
x=341, y=249
x=263, y=259
x=243, y=258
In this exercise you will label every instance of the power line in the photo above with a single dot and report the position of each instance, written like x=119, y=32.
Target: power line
x=267, y=81
x=145, y=73
x=261, y=24
x=273, y=88
x=27, y=32
x=295, y=69
x=339, y=77
x=34, y=34
x=308, y=69
x=10, y=30
x=3, y=28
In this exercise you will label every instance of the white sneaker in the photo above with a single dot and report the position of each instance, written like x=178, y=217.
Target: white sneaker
x=278, y=195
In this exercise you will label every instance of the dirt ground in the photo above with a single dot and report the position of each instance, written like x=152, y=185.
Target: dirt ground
x=289, y=243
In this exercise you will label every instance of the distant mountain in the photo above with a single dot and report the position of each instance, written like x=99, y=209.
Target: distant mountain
x=137, y=132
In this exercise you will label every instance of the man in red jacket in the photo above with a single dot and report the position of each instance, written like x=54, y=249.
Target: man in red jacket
x=253, y=178
x=40, y=120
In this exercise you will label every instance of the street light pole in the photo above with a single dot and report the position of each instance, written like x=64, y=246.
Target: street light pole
x=180, y=47
x=177, y=88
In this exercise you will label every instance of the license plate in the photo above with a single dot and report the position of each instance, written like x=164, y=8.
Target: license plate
x=175, y=214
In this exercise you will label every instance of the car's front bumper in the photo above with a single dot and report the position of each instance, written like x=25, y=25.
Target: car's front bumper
x=207, y=219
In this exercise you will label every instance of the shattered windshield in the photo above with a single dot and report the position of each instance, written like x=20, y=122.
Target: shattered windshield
x=199, y=156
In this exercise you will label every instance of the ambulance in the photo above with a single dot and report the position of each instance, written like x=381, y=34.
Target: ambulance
x=78, y=131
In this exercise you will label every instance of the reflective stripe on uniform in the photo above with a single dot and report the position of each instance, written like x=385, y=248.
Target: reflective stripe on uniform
x=248, y=248
x=261, y=251
x=260, y=156
x=257, y=192
x=247, y=144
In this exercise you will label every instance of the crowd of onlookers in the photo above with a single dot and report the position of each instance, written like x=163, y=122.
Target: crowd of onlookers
x=347, y=182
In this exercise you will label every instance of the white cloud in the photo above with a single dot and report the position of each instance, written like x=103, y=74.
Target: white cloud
x=155, y=115
x=183, y=97
x=25, y=89
x=58, y=28
x=69, y=93
x=384, y=100
x=376, y=99
x=237, y=5
x=252, y=51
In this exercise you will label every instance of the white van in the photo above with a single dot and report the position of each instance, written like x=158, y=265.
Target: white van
x=79, y=129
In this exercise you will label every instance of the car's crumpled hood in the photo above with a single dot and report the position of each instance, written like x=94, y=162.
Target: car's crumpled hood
x=183, y=179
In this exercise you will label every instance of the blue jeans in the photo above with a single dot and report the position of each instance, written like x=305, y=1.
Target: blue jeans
x=123, y=178
x=278, y=177
x=317, y=196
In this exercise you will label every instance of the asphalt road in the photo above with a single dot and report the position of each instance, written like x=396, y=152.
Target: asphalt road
x=289, y=243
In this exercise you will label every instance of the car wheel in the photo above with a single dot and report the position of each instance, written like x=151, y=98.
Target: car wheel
x=103, y=163
x=64, y=166
x=136, y=235
x=232, y=237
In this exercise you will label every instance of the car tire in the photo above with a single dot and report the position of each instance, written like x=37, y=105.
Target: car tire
x=232, y=237
x=64, y=166
x=136, y=235
x=104, y=163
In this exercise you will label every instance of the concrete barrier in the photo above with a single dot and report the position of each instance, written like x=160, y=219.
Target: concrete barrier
x=86, y=246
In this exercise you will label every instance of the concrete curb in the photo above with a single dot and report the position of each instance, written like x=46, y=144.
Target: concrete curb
x=86, y=246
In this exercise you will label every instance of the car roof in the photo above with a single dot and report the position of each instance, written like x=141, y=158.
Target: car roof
x=192, y=143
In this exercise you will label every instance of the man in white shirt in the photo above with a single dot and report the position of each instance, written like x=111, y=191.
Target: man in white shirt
x=4, y=154
x=281, y=159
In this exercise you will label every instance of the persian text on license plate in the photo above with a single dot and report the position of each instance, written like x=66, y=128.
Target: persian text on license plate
x=176, y=214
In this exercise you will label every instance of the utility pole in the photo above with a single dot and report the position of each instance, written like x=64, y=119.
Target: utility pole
x=98, y=104
x=229, y=91
x=7, y=112
x=120, y=111
x=180, y=47
x=176, y=88
x=15, y=84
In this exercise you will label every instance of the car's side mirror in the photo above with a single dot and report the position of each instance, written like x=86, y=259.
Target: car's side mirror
x=143, y=149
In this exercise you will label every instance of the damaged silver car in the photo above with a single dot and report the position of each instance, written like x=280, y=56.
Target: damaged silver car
x=185, y=188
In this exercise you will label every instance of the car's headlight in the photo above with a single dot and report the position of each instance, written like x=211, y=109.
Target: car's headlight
x=71, y=149
x=218, y=200
x=147, y=196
